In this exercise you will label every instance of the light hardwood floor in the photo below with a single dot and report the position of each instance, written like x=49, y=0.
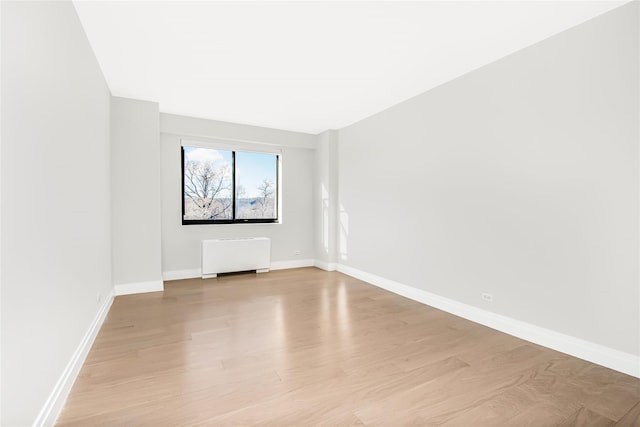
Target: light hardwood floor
x=307, y=347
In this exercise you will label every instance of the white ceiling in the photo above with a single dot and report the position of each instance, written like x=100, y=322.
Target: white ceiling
x=307, y=66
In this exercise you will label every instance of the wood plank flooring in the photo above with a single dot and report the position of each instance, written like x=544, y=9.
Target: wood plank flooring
x=307, y=347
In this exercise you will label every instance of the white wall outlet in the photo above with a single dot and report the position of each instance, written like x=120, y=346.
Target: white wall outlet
x=298, y=252
x=98, y=297
x=487, y=297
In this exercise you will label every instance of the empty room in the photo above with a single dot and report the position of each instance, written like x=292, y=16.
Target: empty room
x=306, y=213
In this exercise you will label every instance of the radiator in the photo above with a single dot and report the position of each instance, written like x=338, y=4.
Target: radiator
x=229, y=255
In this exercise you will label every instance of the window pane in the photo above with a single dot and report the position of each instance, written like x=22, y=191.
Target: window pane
x=256, y=181
x=207, y=184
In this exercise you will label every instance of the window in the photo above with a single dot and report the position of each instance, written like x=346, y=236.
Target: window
x=228, y=186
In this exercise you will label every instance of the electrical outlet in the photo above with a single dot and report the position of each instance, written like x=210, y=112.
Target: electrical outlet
x=487, y=297
x=98, y=297
x=297, y=252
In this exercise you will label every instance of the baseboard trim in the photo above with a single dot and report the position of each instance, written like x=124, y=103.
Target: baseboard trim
x=614, y=359
x=54, y=404
x=139, y=287
x=193, y=273
x=324, y=265
x=295, y=263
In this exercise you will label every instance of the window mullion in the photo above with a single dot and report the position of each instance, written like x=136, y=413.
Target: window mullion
x=233, y=186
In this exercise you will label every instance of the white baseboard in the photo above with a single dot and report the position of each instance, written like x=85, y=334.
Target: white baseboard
x=327, y=266
x=54, y=404
x=196, y=272
x=294, y=263
x=139, y=287
x=596, y=353
x=182, y=274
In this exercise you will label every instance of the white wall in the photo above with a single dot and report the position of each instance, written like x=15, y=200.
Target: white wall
x=56, y=255
x=181, y=243
x=326, y=194
x=135, y=193
x=519, y=179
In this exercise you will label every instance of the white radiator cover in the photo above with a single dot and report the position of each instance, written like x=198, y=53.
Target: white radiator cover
x=229, y=255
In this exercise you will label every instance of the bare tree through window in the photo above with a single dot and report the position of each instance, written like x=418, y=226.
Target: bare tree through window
x=264, y=202
x=218, y=184
x=256, y=176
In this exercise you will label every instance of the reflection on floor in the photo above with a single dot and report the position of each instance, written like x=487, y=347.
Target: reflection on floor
x=308, y=347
